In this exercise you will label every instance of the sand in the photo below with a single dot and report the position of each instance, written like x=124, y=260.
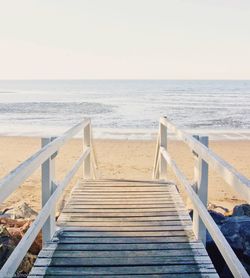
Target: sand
x=122, y=159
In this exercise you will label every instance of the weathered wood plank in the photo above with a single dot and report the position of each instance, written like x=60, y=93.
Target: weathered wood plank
x=125, y=196
x=169, y=275
x=75, y=212
x=134, y=193
x=124, y=219
x=134, y=228
x=98, y=234
x=123, y=206
x=126, y=261
x=123, y=202
x=126, y=224
x=125, y=247
x=125, y=189
x=115, y=254
x=120, y=182
x=160, y=269
x=126, y=240
x=128, y=210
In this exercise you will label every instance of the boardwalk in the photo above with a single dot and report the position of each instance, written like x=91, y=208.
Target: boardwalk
x=123, y=229
x=114, y=228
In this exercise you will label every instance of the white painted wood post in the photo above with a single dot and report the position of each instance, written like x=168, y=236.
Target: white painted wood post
x=86, y=143
x=48, y=175
x=163, y=143
x=201, y=181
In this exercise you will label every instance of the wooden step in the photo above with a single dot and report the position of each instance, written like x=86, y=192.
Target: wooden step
x=124, y=229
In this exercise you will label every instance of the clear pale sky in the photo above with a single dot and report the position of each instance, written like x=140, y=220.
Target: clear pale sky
x=124, y=39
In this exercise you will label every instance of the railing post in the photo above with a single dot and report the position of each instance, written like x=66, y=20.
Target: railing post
x=201, y=181
x=87, y=144
x=48, y=175
x=163, y=143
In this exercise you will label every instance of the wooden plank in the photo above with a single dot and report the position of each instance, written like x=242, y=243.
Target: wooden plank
x=116, y=206
x=128, y=198
x=77, y=234
x=121, y=182
x=124, y=219
x=116, y=254
x=126, y=224
x=125, y=202
x=127, y=195
x=128, y=210
x=126, y=261
x=125, y=247
x=74, y=213
x=169, y=275
x=160, y=269
x=125, y=189
x=108, y=228
x=126, y=240
x=118, y=185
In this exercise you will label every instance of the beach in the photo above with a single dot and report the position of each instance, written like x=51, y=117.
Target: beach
x=122, y=159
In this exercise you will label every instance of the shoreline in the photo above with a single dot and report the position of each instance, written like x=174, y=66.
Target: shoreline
x=120, y=159
x=124, y=133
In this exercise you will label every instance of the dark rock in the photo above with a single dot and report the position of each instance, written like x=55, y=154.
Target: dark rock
x=7, y=245
x=241, y=210
x=217, y=217
x=236, y=231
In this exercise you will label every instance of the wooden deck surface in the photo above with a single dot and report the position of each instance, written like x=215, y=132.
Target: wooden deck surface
x=115, y=228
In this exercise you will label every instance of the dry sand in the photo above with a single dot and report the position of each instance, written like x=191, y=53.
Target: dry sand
x=122, y=159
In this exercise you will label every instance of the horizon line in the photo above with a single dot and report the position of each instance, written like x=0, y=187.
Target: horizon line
x=121, y=79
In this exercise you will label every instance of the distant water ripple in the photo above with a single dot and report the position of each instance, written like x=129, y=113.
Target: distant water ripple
x=39, y=107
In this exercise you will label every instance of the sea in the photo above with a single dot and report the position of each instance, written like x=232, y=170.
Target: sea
x=125, y=109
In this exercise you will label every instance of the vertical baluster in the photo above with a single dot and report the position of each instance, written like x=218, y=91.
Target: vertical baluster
x=163, y=143
x=86, y=143
x=48, y=176
x=201, y=181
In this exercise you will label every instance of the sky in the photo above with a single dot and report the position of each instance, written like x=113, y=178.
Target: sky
x=125, y=39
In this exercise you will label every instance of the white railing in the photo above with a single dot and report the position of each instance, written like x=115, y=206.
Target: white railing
x=51, y=191
x=197, y=191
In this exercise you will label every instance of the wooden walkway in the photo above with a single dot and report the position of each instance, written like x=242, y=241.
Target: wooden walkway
x=120, y=228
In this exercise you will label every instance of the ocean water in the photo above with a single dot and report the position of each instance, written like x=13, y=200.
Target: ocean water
x=124, y=108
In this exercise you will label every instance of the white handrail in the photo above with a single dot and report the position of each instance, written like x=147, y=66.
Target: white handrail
x=228, y=254
x=239, y=182
x=25, y=169
x=9, y=268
